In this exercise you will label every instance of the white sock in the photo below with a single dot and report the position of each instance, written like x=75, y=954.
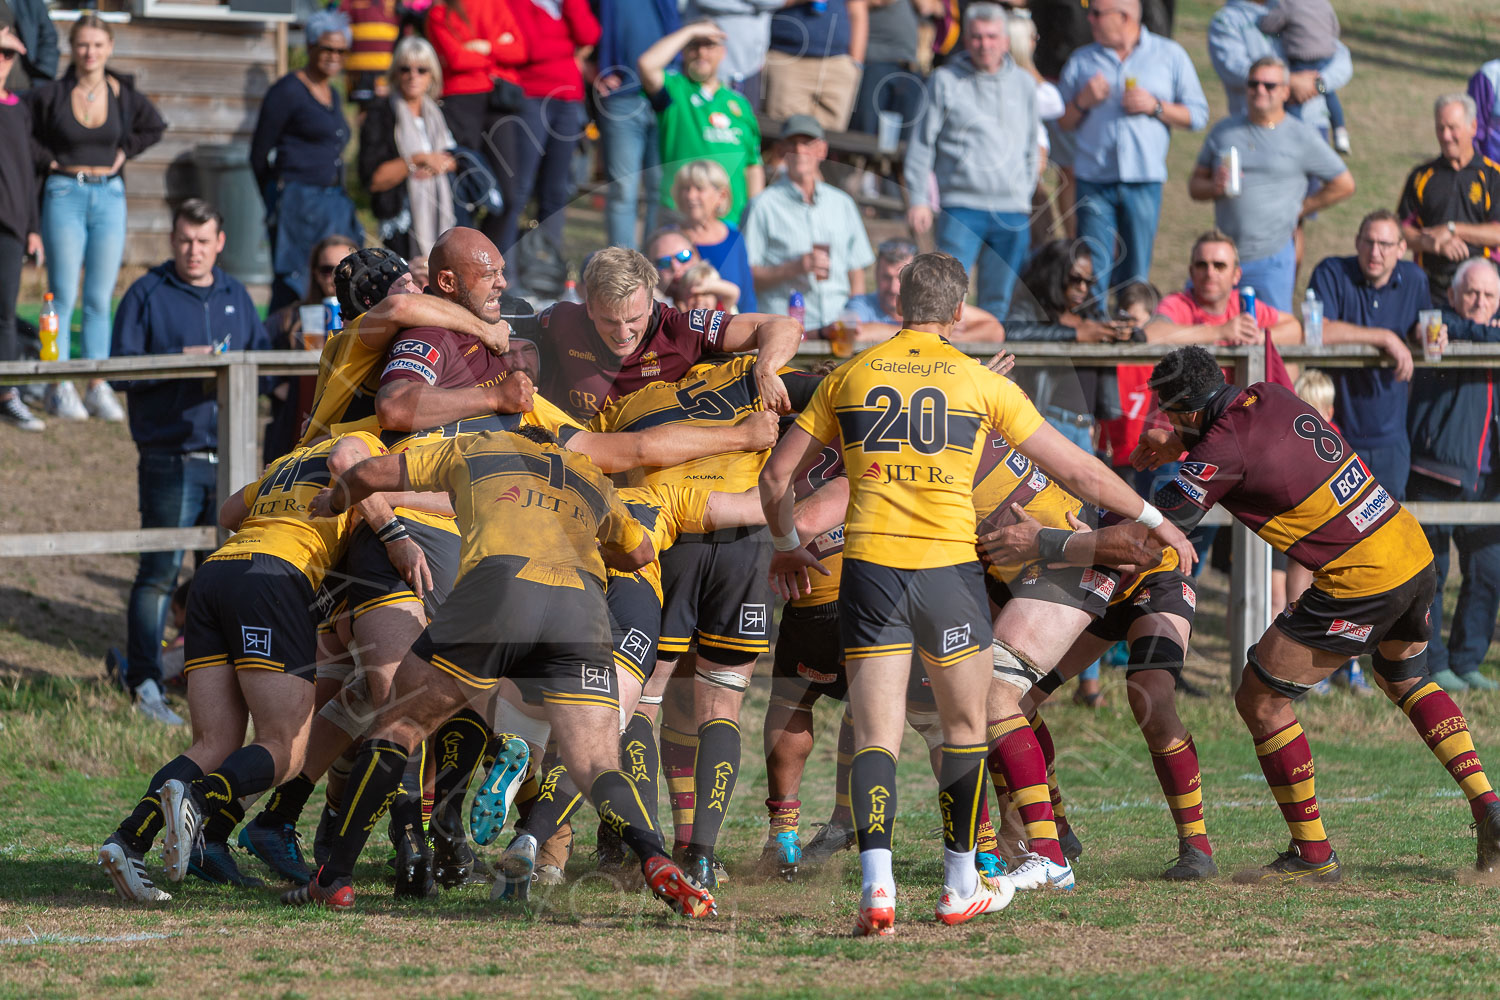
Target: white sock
x=875, y=865
x=959, y=872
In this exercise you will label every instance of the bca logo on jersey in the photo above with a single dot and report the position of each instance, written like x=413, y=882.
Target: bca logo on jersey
x=706, y=322
x=753, y=619
x=1349, y=481
x=1096, y=582
x=1200, y=471
x=420, y=348
x=636, y=645
x=1359, y=633
x=1018, y=463
x=255, y=639
x=594, y=678
x=955, y=638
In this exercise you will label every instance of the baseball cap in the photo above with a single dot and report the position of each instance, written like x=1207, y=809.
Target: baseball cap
x=802, y=125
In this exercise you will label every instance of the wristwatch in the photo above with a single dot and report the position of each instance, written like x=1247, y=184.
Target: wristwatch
x=1320, y=85
x=1156, y=111
x=1452, y=228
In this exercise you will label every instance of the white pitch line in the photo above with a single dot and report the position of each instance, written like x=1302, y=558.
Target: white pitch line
x=83, y=939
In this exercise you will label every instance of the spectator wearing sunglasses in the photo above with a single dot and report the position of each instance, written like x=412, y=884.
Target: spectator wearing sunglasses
x=1207, y=311
x=292, y=395
x=297, y=153
x=686, y=277
x=404, y=154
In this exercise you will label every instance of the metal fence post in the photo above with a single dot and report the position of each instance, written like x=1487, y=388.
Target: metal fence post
x=1250, y=576
x=238, y=417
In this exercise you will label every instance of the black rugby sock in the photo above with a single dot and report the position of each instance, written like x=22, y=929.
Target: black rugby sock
x=140, y=828
x=960, y=789
x=618, y=801
x=714, y=776
x=459, y=744
x=406, y=807
x=285, y=805
x=372, y=784
x=248, y=771
x=556, y=800
x=872, y=797
x=218, y=827
x=641, y=758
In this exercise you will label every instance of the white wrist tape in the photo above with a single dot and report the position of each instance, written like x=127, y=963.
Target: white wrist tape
x=1150, y=517
x=787, y=542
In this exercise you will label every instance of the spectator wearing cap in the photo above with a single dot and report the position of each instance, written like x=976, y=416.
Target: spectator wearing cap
x=297, y=153
x=1288, y=173
x=1373, y=298
x=817, y=55
x=698, y=118
x=627, y=123
x=805, y=235
x=747, y=37
x=1453, y=422
x=1484, y=88
x=1450, y=207
x=701, y=190
x=879, y=312
x=1124, y=94
x=184, y=306
x=978, y=134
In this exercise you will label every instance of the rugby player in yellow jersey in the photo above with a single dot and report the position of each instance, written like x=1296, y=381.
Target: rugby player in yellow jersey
x=716, y=592
x=910, y=414
x=1275, y=464
x=250, y=648
x=538, y=525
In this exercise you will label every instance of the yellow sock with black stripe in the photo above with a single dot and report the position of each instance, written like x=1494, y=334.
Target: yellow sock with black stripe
x=714, y=776
x=1286, y=760
x=373, y=782
x=1444, y=729
x=679, y=753
x=140, y=828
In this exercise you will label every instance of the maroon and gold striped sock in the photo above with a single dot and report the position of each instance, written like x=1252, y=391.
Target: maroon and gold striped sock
x=1287, y=762
x=1182, y=784
x=679, y=755
x=1444, y=729
x=785, y=815
x=1016, y=757
x=1049, y=754
x=842, y=815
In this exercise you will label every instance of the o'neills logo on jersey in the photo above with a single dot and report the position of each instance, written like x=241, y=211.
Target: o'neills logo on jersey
x=581, y=355
x=873, y=472
x=1359, y=633
x=879, y=796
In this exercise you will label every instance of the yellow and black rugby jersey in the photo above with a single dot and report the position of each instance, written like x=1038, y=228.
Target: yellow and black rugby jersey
x=913, y=413
x=514, y=497
x=1278, y=466
x=827, y=548
x=278, y=524
x=542, y=414
x=709, y=395
x=348, y=378
x=666, y=513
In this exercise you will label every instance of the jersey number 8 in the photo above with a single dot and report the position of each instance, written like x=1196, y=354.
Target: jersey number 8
x=925, y=427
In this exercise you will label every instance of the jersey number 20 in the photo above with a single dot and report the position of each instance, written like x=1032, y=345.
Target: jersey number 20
x=925, y=426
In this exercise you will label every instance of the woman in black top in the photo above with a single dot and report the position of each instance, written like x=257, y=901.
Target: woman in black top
x=302, y=123
x=87, y=124
x=19, y=224
x=404, y=153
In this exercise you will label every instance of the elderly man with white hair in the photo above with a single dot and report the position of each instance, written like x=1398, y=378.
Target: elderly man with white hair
x=1454, y=419
x=1450, y=207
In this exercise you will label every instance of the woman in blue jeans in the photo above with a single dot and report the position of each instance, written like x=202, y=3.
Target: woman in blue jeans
x=87, y=125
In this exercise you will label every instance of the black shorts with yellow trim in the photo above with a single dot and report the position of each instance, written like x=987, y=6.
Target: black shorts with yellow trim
x=1352, y=626
x=1087, y=588
x=374, y=582
x=941, y=613
x=552, y=641
x=256, y=612
x=634, y=624
x=809, y=657
x=715, y=589
x=1168, y=592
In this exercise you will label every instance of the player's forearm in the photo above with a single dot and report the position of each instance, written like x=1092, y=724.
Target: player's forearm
x=429, y=503
x=1117, y=545
x=823, y=509
x=1091, y=480
x=382, y=474
x=733, y=510
x=412, y=406
x=775, y=339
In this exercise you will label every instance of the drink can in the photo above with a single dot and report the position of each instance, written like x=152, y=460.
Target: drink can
x=1431, y=322
x=1247, y=301
x=1232, y=161
x=335, y=316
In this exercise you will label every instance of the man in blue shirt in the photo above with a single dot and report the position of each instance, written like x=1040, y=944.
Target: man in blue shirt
x=188, y=306
x=1124, y=95
x=816, y=57
x=1373, y=298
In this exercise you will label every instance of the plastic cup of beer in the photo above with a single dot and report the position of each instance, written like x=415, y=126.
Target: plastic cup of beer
x=1431, y=322
x=1130, y=83
x=841, y=338
x=314, y=321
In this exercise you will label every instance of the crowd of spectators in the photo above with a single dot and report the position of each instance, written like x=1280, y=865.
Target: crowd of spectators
x=480, y=111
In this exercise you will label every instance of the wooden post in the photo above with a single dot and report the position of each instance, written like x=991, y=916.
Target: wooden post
x=1250, y=577
x=238, y=421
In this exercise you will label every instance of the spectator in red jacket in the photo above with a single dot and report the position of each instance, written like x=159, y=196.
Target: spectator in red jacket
x=481, y=47
x=538, y=143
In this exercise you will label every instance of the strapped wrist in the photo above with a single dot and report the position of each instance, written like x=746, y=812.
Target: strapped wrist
x=394, y=530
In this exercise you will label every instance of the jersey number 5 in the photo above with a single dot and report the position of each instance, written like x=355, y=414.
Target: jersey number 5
x=707, y=405
x=924, y=426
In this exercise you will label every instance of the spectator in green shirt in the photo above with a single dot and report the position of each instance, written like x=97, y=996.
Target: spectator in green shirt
x=697, y=118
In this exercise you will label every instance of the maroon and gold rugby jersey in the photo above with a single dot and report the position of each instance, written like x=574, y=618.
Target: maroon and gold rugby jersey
x=582, y=375
x=827, y=548
x=442, y=358
x=1005, y=477
x=1278, y=466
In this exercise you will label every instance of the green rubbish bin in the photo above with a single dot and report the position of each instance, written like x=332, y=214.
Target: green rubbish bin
x=226, y=181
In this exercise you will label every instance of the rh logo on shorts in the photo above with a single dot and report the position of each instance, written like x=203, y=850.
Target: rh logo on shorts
x=255, y=639
x=636, y=644
x=753, y=619
x=1359, y=633
x=955, y=638
x=595, y=678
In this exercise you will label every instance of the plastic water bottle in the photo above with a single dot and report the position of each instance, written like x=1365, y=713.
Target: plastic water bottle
x=796, y=308
x=819, y=6
x=570, y=293
x=48, y=326
x=1312, y=320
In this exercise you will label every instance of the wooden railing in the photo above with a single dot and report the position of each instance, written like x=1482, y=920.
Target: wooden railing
x=236, y=375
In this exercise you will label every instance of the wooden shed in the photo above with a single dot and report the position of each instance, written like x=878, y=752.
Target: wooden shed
x=206, y=66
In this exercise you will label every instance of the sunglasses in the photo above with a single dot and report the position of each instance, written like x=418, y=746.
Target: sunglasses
x=8, y=53
x=681, y=257
x=418, y=70
x=326, y=270
x=1080, y=279
x=1262, y=84
x=329, y=50
x=1217, y=265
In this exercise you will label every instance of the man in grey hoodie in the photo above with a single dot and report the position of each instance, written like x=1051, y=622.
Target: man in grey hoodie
x=979, y=136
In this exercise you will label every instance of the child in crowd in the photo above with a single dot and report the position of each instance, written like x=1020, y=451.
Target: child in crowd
x=701, y=287
x=1309, y=31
